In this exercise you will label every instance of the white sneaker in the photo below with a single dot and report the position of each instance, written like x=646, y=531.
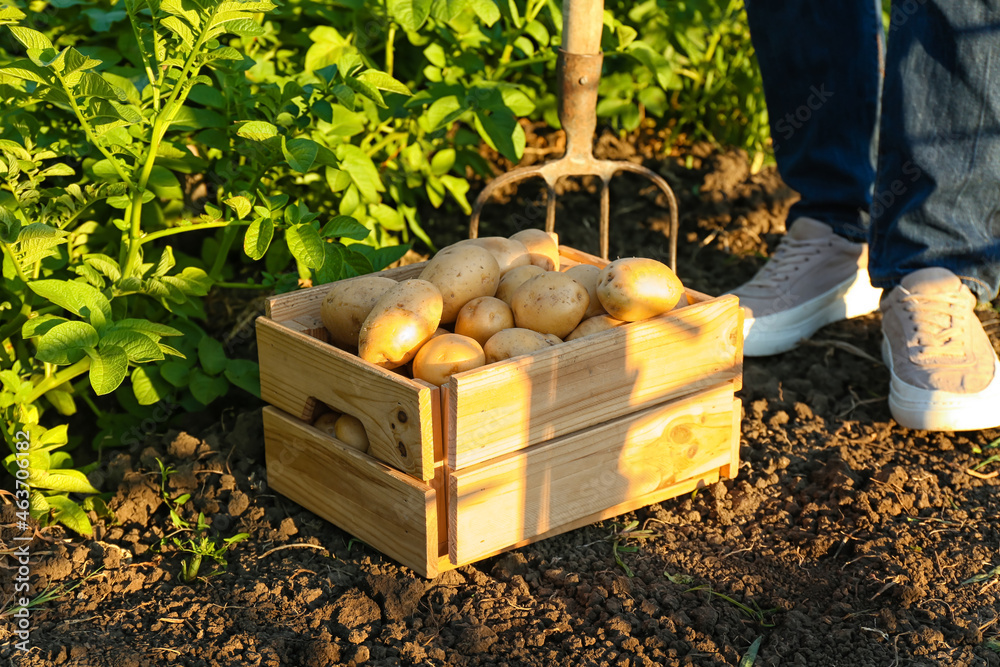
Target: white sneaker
x=945, y=375
x=815, y=277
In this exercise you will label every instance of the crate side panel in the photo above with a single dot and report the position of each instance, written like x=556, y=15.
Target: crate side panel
x=510, y=405
x=630, y=505
x=297, y=370
x=521, y=495
x=381, y=506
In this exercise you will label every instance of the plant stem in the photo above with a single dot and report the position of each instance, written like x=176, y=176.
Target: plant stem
x=152, y=236
x=53, y=381
x=89, y=131
x=160, y=126
x=390, y=55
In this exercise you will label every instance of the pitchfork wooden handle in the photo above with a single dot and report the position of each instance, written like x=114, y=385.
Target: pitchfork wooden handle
x=583, y=22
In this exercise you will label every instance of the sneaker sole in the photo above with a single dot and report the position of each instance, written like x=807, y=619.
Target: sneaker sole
x=780, y=332
x=933, y=410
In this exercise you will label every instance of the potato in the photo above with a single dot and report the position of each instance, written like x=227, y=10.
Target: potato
x=348, y=303
x=462, y=273
x=350, y=431
x=551, y=303
x=514, y=279
x=543, y=251
x=403, y=319
x=446, y=355
x=594, y=325
x=326, y=422
x=515, y=342
x=509, y=254
x=483, y=317
x=636, y=288
x=587, y=275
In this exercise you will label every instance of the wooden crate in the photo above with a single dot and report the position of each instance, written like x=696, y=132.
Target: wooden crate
x=509, y=453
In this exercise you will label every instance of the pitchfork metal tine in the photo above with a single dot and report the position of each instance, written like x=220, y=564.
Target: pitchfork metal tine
x=579, y=75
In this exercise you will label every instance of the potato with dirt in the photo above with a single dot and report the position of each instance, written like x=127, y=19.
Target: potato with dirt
x=509, y=254
x=484, y=317
x=348, y=303
x=350, y=431
x=587, y=275
x=446, y=355
x=552, y=303
x=461, y=272
x=515, y=342
x=405, y=318
x=514, y=279
x=543, y=250
x=593, y=325
x=637, y=288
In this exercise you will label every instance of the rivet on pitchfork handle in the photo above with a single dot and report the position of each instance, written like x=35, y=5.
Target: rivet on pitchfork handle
x=579, y=77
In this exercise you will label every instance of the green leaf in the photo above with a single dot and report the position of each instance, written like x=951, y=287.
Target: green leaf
x=306, y=245
x=108, y=367
x=106, y=265
x=206, y=388
x=164, y=184
x=362, y=170
x=176, y=373
x=383, y=81
x=343, y=226
x=148, y=386
x=444, y=111
x=77, y=297
x=211, y=355
x=387, y=217
x=38, y=326
x=366, y=89
x=257, y=130
x=64, y=480
x=300, y=153
x=56, y=436
x=443, y=161
x=486, y=10
x=500, y=129
x=38, y=241
x=27, y=70
x=458, y=187
x=245, y=374
x=71, y=515
x=258, y=237
x=31, y=39
x=165, y=263
x=147, y=327
x=67, y=343
x=139, y=347
x=192, y=281
x=62, y=401
x=240, y=205
x=179, y=28
x=410, y=14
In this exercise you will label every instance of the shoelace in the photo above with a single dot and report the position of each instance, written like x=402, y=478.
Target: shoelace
x=935, y=319
x=789, y=258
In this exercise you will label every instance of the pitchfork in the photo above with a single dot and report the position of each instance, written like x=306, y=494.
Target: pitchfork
x=579, y=74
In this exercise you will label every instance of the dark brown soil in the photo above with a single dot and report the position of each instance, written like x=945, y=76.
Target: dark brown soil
x=845, y=540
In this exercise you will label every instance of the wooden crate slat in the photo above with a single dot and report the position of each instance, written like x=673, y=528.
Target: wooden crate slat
x=296, y=370
x=382, y=507
x=563, y=389
x=637, y=458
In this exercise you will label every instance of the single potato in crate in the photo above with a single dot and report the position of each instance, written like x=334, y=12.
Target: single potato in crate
x=547, y=436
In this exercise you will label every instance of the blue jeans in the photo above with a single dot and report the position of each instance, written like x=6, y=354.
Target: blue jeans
x=908, y=161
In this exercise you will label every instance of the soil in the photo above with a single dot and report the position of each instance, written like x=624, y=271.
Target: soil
x=845, y=539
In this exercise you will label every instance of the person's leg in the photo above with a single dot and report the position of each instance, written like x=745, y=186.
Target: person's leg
x=936, y=212
x=821, y=67
x=937, y=197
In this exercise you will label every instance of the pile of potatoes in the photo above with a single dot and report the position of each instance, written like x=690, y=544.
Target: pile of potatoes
x=484, y=300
